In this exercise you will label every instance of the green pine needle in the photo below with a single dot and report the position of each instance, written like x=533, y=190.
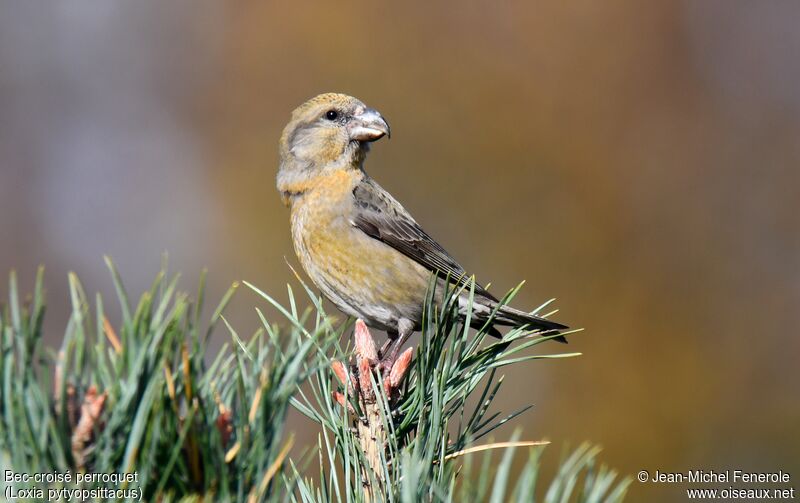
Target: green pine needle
x=195, y=425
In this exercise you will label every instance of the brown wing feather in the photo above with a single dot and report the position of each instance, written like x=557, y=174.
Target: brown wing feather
x=380, y=216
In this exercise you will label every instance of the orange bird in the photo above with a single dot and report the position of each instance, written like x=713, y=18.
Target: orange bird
x=361, y=248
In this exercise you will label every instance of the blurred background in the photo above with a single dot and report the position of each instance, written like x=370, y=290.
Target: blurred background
x=641, y=163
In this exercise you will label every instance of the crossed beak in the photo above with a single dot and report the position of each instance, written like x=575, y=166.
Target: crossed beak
x=369, y=125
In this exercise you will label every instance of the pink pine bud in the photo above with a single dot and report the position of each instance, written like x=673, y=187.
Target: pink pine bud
x=365, y=377
x=340, y=372
x=225, y=424
x=400, y=367
x=365, y=346
x=341, y=400
x=91, y=409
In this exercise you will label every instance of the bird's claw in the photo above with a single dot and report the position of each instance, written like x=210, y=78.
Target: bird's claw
x=357, y=380
x=385, y=365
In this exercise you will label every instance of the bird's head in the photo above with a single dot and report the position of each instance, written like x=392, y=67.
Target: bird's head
x=329, y=131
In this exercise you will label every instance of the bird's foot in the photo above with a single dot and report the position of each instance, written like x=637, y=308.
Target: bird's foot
x=391, y=348
x=386, y=345
x=393, y=368
x=358, y=381
x=385, y=363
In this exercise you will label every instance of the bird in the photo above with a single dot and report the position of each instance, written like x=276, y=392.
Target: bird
x=356, y=242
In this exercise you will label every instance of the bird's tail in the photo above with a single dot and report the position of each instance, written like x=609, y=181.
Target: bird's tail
x=482, y=306
x=508, y=316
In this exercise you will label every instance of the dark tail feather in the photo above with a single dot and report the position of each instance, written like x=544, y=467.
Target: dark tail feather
x=491, y=330
x=513, y=317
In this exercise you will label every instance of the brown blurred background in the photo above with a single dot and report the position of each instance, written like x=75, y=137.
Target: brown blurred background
x=640, y=162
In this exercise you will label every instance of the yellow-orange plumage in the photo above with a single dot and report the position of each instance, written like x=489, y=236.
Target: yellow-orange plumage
x=355, y=241
x=358, y=271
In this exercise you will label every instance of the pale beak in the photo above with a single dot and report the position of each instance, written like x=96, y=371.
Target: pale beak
x=368, y=126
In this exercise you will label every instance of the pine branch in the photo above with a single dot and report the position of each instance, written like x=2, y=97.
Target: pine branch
x=142, y=396
x=401, y=446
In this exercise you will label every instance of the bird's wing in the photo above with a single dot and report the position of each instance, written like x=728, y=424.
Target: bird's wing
x=381, y=217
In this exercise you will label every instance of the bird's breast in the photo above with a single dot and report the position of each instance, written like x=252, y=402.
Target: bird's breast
x=361, y=275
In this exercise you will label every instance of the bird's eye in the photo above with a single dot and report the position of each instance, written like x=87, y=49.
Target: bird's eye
x=331, y=115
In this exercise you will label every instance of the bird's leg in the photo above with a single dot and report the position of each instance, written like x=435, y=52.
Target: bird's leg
x=392, y=336
x=405, y=328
